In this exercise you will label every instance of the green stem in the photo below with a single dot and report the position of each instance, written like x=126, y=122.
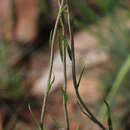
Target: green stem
x=50, y=66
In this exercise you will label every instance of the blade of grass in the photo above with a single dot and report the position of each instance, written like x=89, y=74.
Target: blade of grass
x=50, y=38
x=60, y=46
x=120, y=77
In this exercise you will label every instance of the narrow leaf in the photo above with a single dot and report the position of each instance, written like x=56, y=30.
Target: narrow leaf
x=109, y=121
x=60, y=45
x=80, y=77
x=61, y=23
x=64, y=95
x=51, y=82
x=68, y=47
x=50, y=38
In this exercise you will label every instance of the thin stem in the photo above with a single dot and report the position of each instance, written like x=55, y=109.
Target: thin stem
x=65, y=80
x=50, y=66
x=92, y=117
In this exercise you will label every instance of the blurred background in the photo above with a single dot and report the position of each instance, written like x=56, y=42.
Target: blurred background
x=102, y=43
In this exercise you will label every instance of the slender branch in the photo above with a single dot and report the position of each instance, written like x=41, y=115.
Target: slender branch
x=51, y=65
x=92, y=117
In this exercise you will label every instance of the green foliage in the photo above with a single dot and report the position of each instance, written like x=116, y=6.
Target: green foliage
x=61, y=38
x=117, y=37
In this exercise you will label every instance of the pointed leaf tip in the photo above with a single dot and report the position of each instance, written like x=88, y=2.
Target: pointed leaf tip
x=50, y=38
x=68, y=47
